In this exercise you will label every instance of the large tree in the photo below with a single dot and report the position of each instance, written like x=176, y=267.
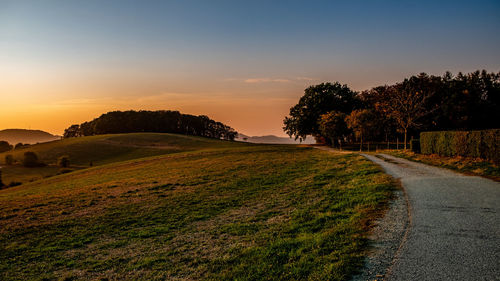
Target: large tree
x=361, y=122
x=409, y=102
x=333, y=126
x=318, y=100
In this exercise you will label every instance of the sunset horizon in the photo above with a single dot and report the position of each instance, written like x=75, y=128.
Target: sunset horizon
x=244, y=64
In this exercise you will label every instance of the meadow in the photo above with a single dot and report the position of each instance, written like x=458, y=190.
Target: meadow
x=98, y=150
x=211, y=210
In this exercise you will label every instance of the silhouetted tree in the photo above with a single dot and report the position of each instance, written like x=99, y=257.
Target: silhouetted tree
x=408, y=102
x=5, y=146
x=152, y=121
x=72, y=131
x=30, y=159
x=9, y=159
x=318, y=100
x=63, y=161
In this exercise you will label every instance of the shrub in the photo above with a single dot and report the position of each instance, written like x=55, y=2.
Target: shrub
x=63, y=161
x=415, y=145
x=484, y=144
x=30, y=159
x=5, y=146
x=9, y=159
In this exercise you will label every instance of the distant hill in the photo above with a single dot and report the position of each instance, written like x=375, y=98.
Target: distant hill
x=14, y=136
x=272, y=139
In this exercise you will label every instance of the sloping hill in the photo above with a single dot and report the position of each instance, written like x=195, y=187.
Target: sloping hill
x=84, y=152
x=14, y=136
x=103, y=149
x=221, y=211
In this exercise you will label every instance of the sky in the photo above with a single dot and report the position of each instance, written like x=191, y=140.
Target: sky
x=244, y=63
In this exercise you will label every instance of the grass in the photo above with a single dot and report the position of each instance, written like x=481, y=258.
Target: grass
x=471, y=166
x=100, y=150
x=232, y=213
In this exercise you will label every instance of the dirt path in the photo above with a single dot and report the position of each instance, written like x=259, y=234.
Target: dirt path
x=454, y=231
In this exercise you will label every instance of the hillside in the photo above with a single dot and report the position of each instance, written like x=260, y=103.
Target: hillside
x=103, y=149
x=14, y=136
x=219, y=211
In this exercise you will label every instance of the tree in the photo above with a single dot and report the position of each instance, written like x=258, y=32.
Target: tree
x=361, y=122
x=72, y=131
x=63, y=161
x=20, y=145
x=318, y=100
x=162, y=121
x=30, y=159
x=332, y=125
x=5, y=146
x=408, y=102
x=9, y=159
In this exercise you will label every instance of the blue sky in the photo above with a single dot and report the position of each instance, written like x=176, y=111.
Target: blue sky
x=242, y=62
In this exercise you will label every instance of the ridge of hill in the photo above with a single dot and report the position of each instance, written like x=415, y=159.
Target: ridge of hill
x=272, y=139
x=14, y=136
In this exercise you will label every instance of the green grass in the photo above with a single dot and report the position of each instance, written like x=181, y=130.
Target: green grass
x=230, y=213
x=102, y=149
x=471, y=166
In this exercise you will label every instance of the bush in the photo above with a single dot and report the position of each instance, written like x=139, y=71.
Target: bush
x=30, y=159
x=415, y=145
x=5, y=146
x=482, y=144
x=9, y=159
x=63, y=161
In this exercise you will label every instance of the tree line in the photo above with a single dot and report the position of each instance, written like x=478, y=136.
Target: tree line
x=333, y=113
x=162, y=121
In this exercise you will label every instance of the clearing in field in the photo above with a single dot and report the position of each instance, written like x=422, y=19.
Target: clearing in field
x=229, y=211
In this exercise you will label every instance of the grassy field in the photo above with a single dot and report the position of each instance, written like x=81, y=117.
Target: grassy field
x=102, y=149
x=235, y=212
x=477, y=167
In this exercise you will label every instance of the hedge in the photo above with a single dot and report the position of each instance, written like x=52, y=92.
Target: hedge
x=483, y=144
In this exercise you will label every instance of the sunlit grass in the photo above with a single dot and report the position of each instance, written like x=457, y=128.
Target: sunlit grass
x=235, y=213
x=472, y=166
x=103, y=149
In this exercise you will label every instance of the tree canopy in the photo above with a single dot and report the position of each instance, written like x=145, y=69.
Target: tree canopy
x=162, y=121
x=318, y=100
x=419, y=103
x=5, y=146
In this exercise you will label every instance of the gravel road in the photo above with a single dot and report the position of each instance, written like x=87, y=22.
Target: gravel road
x=454, y=224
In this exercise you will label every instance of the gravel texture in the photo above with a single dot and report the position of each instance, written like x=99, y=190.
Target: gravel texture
x=454, y=226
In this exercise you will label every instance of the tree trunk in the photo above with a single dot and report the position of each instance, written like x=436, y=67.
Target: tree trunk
x=361, y=145
x=405, y=138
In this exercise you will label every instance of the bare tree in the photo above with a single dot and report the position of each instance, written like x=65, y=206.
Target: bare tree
x=408, y=102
